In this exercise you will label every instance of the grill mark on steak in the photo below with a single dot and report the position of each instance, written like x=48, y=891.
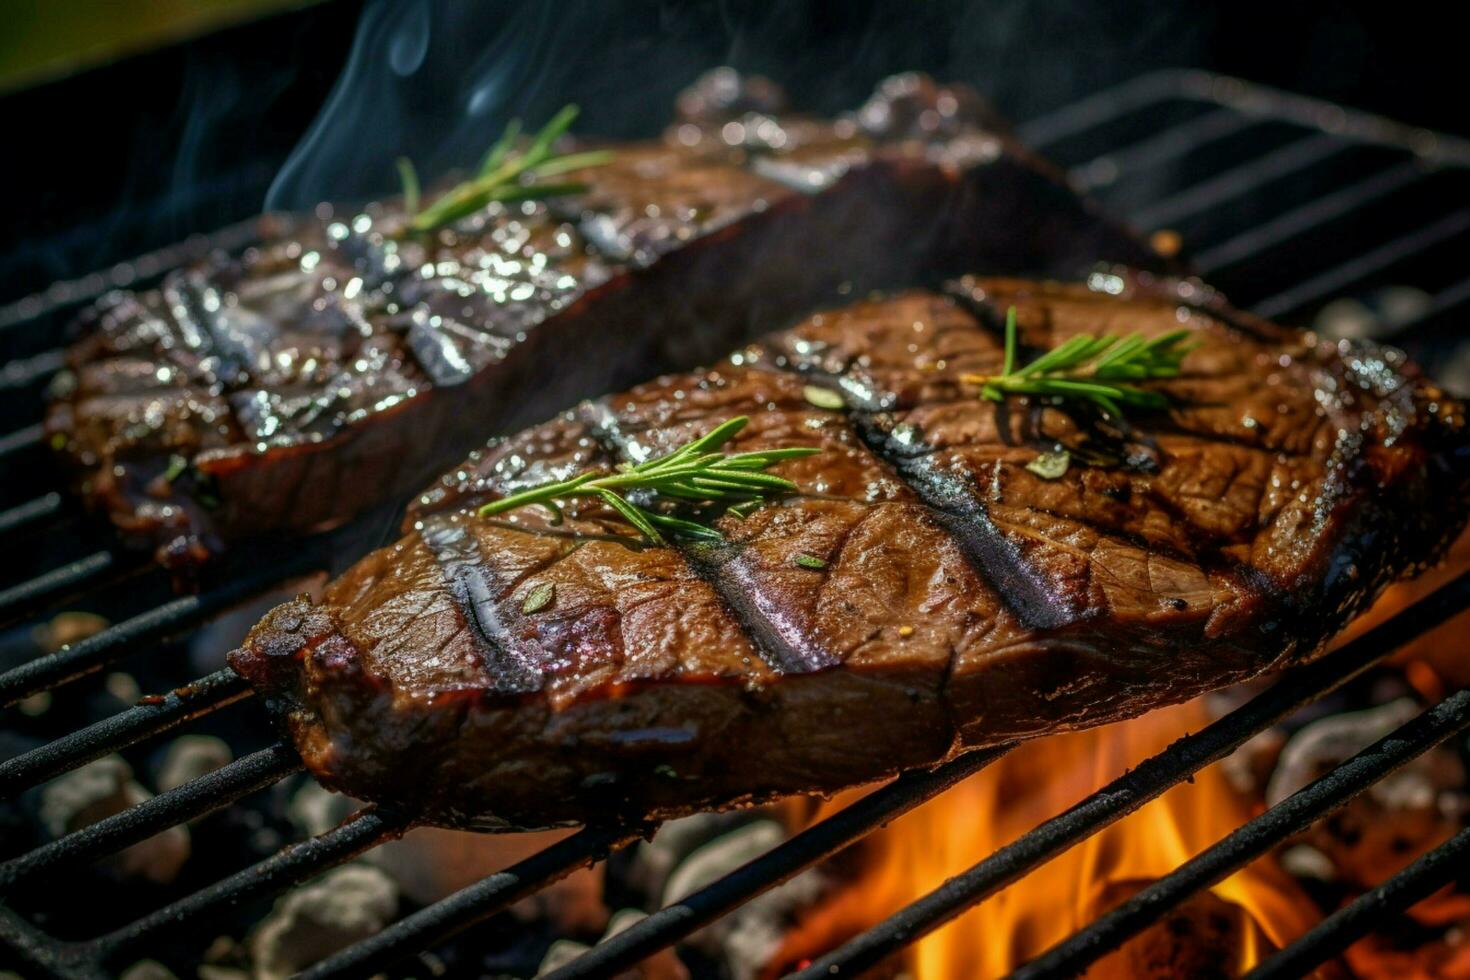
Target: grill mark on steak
x=968, y=521
x=469, y=583
x=957, y=509
x=715, y=564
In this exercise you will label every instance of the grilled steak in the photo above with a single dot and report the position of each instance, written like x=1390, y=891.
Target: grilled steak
x=338, y=364
x=946, y=597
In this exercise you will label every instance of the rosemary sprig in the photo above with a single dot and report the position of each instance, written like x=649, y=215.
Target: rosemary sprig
x=1100, y=370
x=697, y=472
x=502, y=175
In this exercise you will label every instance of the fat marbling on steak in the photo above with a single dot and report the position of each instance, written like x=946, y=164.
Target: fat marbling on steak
x=961, y=601
x=338, y=364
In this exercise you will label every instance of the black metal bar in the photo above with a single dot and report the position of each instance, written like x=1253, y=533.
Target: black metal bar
x=1103, y=107
x=32, y=370
x=471, y=905
x=670, y=924
x=1289, y=224
x=195, y=798
x=1443, y=302
x=126, y=275
x=1248, y=98
x=291, y=866
x=126, y=728
x=1296, y=155
x=115, y=642
x=1338, y=278
x=1071, y=956
x=1352, y=922
x=1159, y=148
x=31, y=512
x=72, y=575
x=1146, y=782
x=21, y=439
x=49, y=956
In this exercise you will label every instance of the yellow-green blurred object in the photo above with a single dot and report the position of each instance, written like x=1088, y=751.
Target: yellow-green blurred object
x=45, y=39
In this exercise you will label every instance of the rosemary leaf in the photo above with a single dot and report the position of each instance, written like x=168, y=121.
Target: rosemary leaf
x=696, y=472
x=497, y=153
x=1097, y=370
x=503, y=175
x=410, y=178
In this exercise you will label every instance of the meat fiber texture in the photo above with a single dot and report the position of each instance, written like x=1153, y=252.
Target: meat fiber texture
x=339, y=363
x=923, y=594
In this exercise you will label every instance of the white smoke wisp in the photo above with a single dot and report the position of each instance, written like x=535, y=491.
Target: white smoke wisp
x=432, y=81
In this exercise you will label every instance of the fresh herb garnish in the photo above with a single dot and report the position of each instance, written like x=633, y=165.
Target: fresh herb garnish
x=502, y=175
x=810, y=561
x=1100, y=370
x=697, y=472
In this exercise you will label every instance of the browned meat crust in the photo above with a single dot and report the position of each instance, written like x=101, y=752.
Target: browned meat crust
x=964, y=600
x=335, y=367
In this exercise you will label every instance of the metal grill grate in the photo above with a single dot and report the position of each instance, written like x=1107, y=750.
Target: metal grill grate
x=1285, y=202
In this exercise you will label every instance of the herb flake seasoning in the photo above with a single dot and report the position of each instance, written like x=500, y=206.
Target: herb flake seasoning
x=823, y=397
x=1050, y=466
x=539, y=598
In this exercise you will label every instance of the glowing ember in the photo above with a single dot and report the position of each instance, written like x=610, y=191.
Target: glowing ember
x=1039, y=780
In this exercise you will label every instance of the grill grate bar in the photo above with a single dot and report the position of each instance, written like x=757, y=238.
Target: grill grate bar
x=31, y=370
x=446, y=918
x=112, y=644
x=73, y=575
x=21, y=439
x=1145, y=782
x=672, y=923
x=1298, y=220
x=1071, y=956
x=1359, y=918
x=31, y=512
x=1159, y=148
x=129, y=727
x=1093, y=111
x=1212, y=193
x=1338, y=278
x=1443, y=302
x=49, y=956
x=208, y=793
x=360, y=832
x=134, y=274
x=1247, y=98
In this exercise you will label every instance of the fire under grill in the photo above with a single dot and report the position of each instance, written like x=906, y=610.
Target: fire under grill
x=1284, y=203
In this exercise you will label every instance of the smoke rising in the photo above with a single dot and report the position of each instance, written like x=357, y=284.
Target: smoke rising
x=436, y=80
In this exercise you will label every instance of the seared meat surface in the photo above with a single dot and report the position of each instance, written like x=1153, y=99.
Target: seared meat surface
x=339, y=364
x=956, y=599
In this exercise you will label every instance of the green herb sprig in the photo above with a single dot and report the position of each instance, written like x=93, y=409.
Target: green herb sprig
x=697, y=472
x=502, y=175
x=1100, y=370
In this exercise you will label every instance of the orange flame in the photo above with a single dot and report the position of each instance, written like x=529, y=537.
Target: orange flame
x=1040, y=779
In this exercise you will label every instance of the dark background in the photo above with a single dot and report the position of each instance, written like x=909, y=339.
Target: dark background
x=120, y=159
